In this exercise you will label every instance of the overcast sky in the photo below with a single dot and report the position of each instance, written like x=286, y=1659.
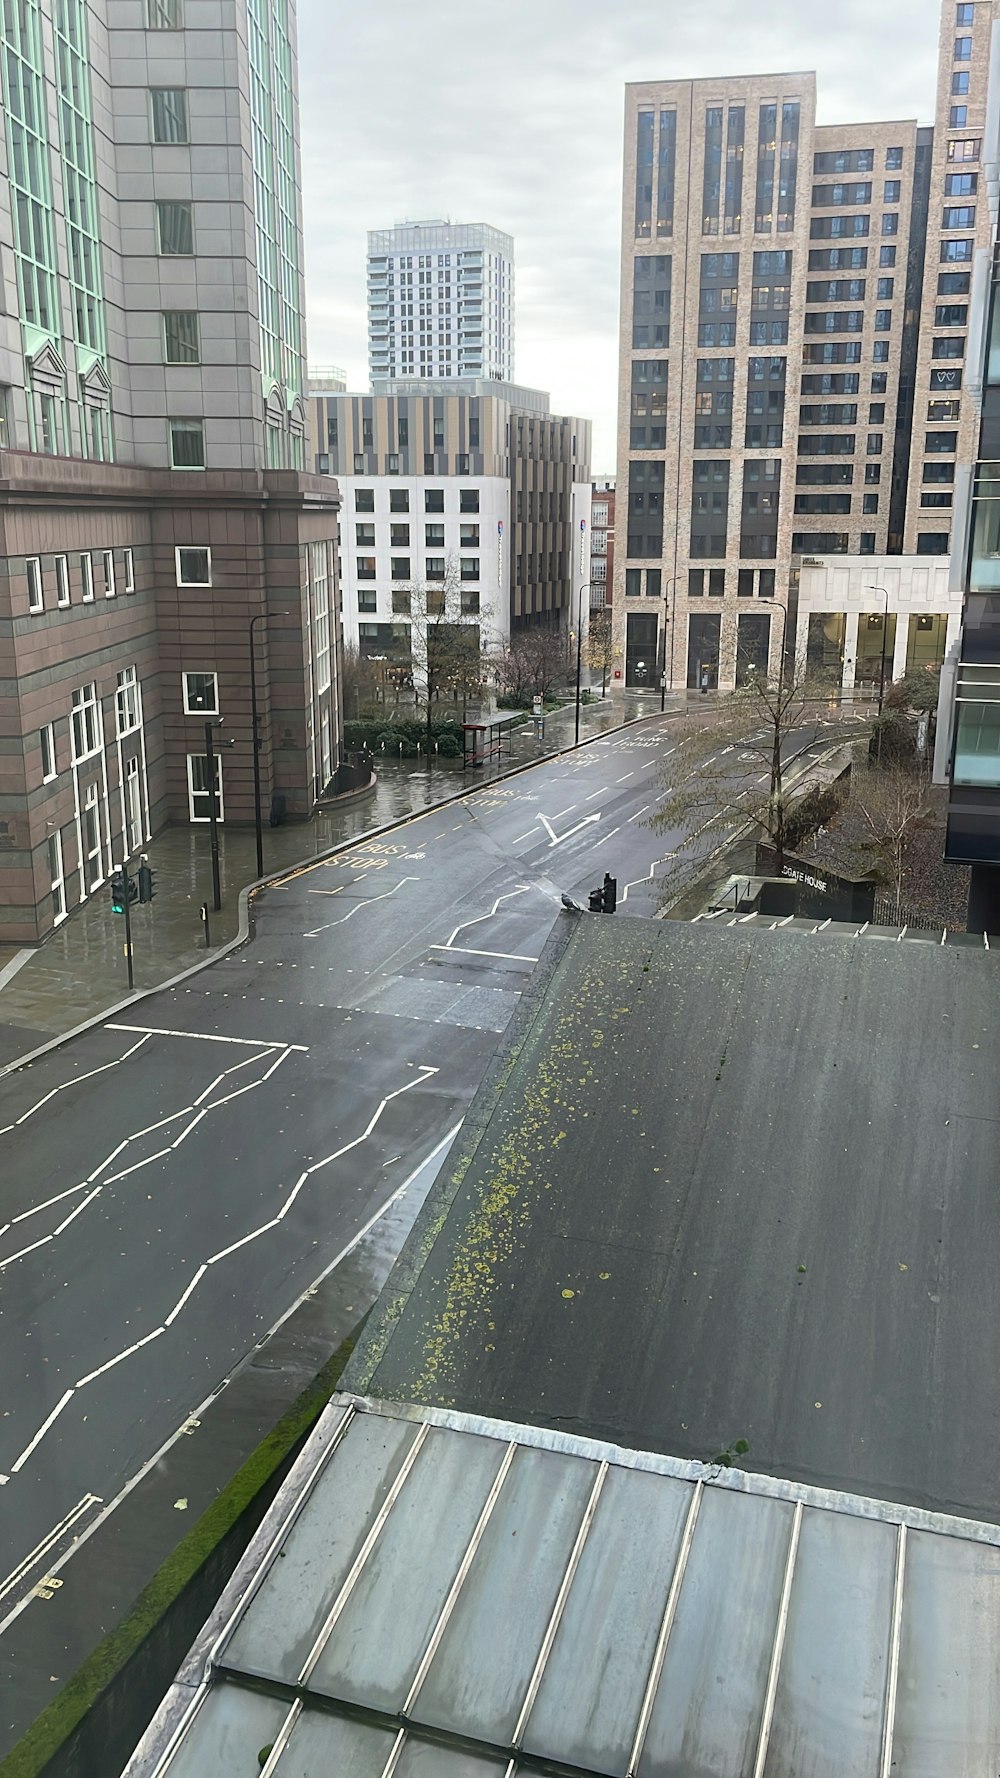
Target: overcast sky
x=510, y=112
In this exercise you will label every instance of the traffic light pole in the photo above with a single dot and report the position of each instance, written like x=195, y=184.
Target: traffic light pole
x=213, y=813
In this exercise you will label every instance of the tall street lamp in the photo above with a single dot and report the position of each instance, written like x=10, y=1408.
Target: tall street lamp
x=671, y=583
x=585, y=588
x=213, y=807
x=255, y=726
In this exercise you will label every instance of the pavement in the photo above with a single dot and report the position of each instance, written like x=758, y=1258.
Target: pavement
x=177, y=1178
x=80, y=968
x=726, y=1184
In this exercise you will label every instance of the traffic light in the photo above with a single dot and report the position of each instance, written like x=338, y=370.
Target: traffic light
x=124, y=891
x=605, y=899
x=147, y=883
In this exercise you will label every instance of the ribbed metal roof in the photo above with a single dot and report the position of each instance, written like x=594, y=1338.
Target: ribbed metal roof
x=434, y=1594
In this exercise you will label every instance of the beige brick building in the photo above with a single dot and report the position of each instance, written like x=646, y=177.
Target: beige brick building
x=791, y=338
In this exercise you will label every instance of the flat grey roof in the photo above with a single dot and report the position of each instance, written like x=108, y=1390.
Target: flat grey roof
x=434, y=1596
x=727, y=1183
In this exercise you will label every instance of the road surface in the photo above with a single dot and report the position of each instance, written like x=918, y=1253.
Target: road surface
x=174, y=1180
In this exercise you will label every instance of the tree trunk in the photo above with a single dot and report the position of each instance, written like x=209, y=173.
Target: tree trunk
x=777, y=809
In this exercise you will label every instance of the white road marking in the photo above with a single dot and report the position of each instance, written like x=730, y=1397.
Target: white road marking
x=424, y=1073
x=641, y=811
x=366, y=903
x=646, y=879
x=522, y=889
x=47, y=1543
x=77, y=1078
x=467, y=951
x=593, y=793
x=532, y=833
x=606, y=836
x=261, y=1043
x=625, y=779
x=557, y=839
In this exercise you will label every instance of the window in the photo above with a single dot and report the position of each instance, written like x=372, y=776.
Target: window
x=429, y=463
x=187, y=444
x=61, y=566
x=951, y=314
x=832, y=228
x=367, y=599
x=942, y=499
x=961, y=185
x=869, y=503
x=880, y=352
x=933, y=543
x=47, y=739
x=461, y=463
x=366, y=567
x=887, y=256
x=874, y=444
x=960, y=83
x=960, y=251
x=951, y=346
x=832, y=382
x=84, y=727
x=402, y=432
x=883, y=320
x=964, y=13
x=174, y=230
x=392, y=463
x=33, y=575
x=201, y=694
x=876, y=413
x=633, y=583
x=963, y=51
x=838, y=259
x=890, y=191
x=468, y=500
x=847, y=160
x=469, y=569
x=716, y=583
x=126, y=702
x=965, y=148
x=200, y=798
x=433, y=499
x=433, y=536
x=696, y=583
x=129, y=564
x=86, y=579
x=890, y=223
x=958, y=117
x=359, y=463
x=399, y=536
x=469, y=536
x=92, y=838
x=873, y=472
x=169, y=106
x=399, y=500
x=364, y=536
x=193, y=567
x=181, y=343
x=880, y=382
x=364, y=499
x=953, y=283
x=163, y=15
x=941, y=443
x=399, y=567
x=435, y=568
x=108, y=572
x=885, y=289
x=48, y=423
x=893, y=158
x=938, y=411
x=835, y=290
x=744, y=583
x=958, y=216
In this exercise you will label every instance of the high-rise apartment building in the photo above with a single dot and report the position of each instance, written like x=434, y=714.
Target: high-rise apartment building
x=793, y=304
x=152, y=437
x=440, y=302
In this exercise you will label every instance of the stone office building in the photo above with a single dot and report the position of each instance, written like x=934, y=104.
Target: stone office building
x=794, y=316
x=153, y=500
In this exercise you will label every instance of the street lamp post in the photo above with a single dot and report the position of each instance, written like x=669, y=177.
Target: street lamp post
x=585, y=588
x=213, y=810
x=671, y=583
x=885, y=637
x=255, y=726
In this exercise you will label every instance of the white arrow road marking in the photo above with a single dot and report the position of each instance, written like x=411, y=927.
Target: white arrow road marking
x=557, y=839
x=366, y=903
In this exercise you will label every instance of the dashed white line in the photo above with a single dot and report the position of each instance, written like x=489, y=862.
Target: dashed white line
x=642, y=811
x=626, y=777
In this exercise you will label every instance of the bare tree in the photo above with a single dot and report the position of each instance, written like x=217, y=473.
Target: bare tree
x=894, y=801
x=600, y=652
x=446, y=639
x=528, y=665
x=361, y=681
x=738, y=764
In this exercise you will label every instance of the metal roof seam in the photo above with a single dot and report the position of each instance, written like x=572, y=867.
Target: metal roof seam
x=667, y=1624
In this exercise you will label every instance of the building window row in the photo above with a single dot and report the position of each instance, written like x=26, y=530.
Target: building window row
x=39, y=585
x=399, y=500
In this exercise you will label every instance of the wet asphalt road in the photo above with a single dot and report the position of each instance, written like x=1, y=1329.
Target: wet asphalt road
x=175, y=1180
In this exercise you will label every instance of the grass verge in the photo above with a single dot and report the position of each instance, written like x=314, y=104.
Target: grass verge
x=50, y=1731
